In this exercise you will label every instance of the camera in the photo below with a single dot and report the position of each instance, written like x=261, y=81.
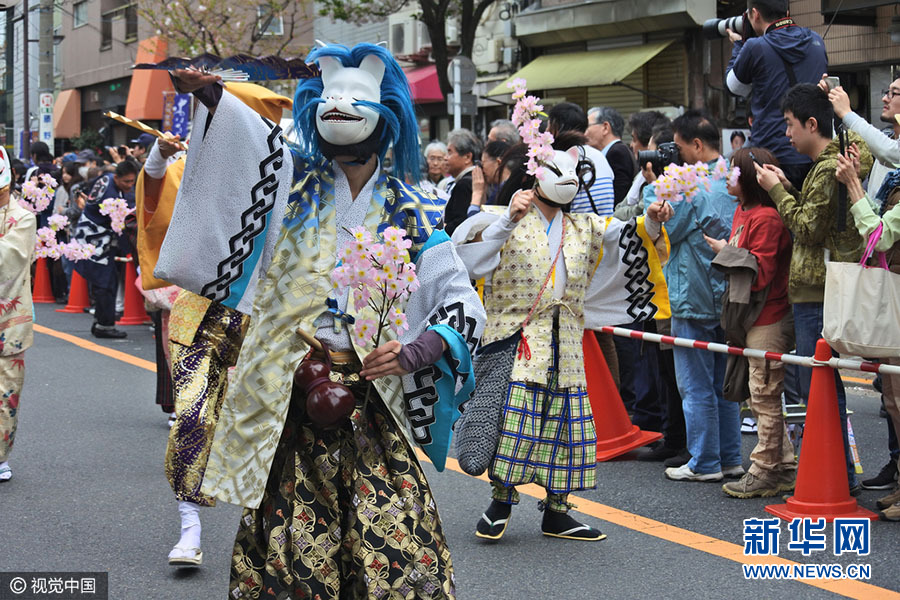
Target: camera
x=832, y=82
x=718, y=28
x=659, y=159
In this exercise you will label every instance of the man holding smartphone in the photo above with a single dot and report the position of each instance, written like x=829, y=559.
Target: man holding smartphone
x=765, y=67
x=884, y=144
x=821, y=225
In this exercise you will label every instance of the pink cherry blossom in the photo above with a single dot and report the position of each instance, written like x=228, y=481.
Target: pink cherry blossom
x=526, y=118
x=361, y=300
x=117, y=210
x=364, y=331
x=58, y=222
x=379, y=272
x=397, y=321
x=37, y=193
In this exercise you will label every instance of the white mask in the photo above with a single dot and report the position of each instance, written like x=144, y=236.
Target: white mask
x=561, y=188
x=83, y=171
x=5, y=169
x=337, y=120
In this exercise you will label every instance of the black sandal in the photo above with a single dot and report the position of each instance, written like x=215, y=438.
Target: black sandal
x=494, y=521
x=562, y=525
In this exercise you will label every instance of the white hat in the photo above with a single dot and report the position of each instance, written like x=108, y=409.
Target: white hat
x=5, y=169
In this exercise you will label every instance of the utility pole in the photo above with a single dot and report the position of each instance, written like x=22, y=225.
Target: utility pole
x=26, y=126
x=45, y=47
x=45, y=73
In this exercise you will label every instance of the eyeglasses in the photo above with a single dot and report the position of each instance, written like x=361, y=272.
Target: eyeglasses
x=890, y=94
x=436, y=159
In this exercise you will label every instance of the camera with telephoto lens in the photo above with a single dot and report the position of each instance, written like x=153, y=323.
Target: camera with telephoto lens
x=666, y=154
x=718, y=28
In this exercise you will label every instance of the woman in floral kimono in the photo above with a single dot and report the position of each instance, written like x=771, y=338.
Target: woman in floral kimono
x=343, y=512
x=17, y=240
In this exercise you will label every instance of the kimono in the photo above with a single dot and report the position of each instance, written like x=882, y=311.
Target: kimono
x=17, y=239
x=334, y=513
x=607, y=272
x=205, y=338
x=94, y=228
x=101, y=270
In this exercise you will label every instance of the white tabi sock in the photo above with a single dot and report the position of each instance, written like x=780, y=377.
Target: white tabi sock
x=190, y=524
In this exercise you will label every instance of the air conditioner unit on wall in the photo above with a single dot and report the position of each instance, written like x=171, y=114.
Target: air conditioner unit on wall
x=452, y=32
x=422, y=37
x=398, y=39
x=494, y=50
x=408, y=37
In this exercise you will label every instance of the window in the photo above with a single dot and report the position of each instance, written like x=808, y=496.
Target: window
x=131, y=23
x=268, y=23
x=80, y=14
x=106, y=32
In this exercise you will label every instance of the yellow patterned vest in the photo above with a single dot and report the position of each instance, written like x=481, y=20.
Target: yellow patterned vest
x=524, y=264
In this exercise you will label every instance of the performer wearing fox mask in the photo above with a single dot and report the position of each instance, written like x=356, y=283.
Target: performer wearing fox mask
x=595, y=271
x=343, y=511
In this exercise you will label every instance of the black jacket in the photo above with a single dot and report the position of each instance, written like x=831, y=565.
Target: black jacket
x=458, y=205
x=624, y=168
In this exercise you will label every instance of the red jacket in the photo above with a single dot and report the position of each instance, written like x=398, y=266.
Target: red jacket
x=760, y=231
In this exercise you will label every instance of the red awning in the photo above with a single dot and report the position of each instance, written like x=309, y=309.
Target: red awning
x=145, y=96
x=424, y=84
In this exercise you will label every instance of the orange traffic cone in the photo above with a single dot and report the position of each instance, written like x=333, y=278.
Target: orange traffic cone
x=78, y=295
x=42, y=293
x=134, y=303
x=615, y=433
x=822, y=490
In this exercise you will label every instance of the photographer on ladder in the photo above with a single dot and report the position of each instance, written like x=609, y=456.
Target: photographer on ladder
x=766, y=67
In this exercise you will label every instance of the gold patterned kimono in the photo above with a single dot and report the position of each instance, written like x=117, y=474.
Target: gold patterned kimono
x=204, y=339
x=343, y=513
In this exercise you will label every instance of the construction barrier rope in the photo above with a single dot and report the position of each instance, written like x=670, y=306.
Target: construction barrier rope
x=791, y=359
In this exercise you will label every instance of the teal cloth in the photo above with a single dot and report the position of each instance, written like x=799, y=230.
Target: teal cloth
x=446, y=411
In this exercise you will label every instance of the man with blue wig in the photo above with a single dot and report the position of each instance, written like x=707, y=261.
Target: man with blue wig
x=342, y=511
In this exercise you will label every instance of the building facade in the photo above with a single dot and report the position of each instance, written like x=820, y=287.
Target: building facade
x=102, y=39
x=629, y=55
x=16, y=47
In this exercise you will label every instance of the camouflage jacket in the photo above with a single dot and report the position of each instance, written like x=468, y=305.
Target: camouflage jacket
x=812, y=217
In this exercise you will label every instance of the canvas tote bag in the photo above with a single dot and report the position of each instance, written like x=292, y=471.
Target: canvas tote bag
x=861, y=315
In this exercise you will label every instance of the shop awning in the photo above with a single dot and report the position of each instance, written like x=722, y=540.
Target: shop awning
x=145, y=95
x=583, y=69
x=423, y=81
x=67, y=114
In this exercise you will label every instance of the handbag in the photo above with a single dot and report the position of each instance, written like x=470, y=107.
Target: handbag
x=861, y=313
x=478, y=428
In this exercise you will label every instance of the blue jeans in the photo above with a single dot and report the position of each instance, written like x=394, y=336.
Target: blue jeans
x=808, y=330
x=712, y=423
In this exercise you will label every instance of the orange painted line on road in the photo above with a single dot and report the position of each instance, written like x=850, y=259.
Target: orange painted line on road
x=692, y=539
x=634, y=522
x=81, y=343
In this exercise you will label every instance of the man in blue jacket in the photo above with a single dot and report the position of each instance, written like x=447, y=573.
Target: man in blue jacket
x=766, y=67
x=712, y=423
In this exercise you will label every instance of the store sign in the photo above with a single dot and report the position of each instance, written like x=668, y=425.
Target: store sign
x=45, y=124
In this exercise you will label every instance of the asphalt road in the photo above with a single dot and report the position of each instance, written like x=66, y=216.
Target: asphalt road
x=89, y=494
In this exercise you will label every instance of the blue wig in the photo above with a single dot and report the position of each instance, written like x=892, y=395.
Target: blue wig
x=396, y=109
